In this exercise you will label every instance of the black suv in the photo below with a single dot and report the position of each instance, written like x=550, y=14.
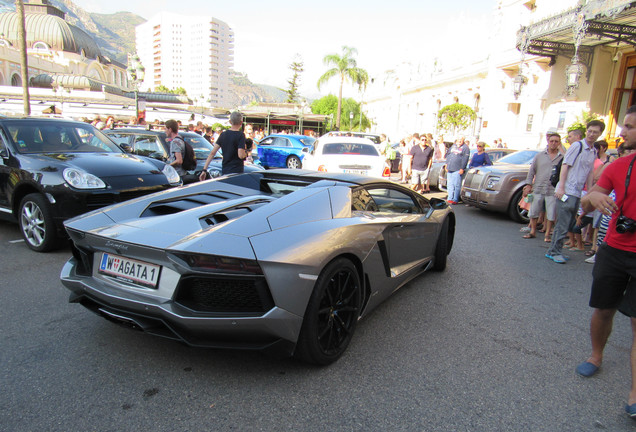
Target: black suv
x=54, y=169
x=153, y=143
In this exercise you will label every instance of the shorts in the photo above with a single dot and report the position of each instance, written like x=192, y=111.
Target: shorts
x=419, y=177
x=537, y=206
x=614, y=280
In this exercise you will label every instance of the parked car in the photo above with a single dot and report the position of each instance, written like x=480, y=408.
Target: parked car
x=493, y=153
x=153, y=143
x=499, y=187
x=280, y=260
x=346, y=155
x=283, y=151
x=53, y=169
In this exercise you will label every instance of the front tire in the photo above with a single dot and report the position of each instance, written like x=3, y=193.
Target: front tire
x=37, y=225
x=332, y=314
x=293, y=162
x=515, y=212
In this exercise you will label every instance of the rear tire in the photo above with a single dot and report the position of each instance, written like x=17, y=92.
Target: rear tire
x=332, y=314
x=293, y=162
x=442, y=248
x=37, y=225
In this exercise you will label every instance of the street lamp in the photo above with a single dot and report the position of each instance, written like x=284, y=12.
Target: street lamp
x=573, y=74
x=136, y=73
x=517, y=84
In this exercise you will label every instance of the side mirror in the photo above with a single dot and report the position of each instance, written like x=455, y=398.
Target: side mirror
x=437, y=204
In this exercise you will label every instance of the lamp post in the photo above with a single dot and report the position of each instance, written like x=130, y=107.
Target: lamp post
x=136, y=73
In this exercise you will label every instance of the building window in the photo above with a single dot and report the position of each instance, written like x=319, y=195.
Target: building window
x=561, y=124
x=529, y=122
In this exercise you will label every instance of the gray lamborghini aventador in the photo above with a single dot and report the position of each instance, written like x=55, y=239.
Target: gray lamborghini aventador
x=274, y=260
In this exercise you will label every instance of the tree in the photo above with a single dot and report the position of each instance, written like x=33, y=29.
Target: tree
x=163, y=89
x=328, y=105
x=456, y=117
x=582, y=121
x=346, y=68
x=297, y=67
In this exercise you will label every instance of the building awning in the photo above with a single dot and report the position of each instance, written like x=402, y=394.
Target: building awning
x=578, y=31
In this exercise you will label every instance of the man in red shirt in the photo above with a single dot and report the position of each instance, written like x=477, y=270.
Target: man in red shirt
x=614, y=274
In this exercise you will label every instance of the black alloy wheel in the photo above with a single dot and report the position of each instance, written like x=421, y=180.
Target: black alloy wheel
x=332, y=314
x=36, y=223
x=293, y=162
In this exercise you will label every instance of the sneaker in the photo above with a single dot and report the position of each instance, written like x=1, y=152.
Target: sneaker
x=451, y=202
x=525, y=229
x=591, y=259
x=559, y=259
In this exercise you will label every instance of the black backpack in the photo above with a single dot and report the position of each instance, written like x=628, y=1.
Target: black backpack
x=189, y=159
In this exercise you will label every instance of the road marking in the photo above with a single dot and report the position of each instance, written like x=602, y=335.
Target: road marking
x=16, y=241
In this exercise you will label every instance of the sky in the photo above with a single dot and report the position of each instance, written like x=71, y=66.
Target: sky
x=269, y=34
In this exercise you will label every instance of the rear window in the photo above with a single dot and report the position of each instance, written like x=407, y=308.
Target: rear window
x=349, y=149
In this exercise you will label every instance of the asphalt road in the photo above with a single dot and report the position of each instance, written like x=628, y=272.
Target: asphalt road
x=488, y=345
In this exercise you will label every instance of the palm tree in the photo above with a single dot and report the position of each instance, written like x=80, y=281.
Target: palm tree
x=345, y=67
x=24, y=73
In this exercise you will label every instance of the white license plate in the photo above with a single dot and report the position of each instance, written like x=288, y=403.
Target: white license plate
x=468, y=194
x=350, y=171
x=129, y=270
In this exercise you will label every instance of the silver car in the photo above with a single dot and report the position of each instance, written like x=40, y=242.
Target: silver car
x=498, y=187
x=267, y=260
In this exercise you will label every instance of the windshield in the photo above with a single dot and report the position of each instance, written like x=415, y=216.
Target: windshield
x=307, y=141
x=58, y=137
x=522, y=157
x=200, y=145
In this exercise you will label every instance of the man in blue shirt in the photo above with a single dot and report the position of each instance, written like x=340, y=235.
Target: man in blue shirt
x=456, y=160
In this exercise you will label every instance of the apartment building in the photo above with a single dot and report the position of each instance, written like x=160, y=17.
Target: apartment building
x=192, y=52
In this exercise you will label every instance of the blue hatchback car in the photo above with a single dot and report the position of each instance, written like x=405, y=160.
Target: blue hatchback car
x=283, y=151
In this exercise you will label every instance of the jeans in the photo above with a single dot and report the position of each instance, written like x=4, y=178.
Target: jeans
x=566, y=218
x=453, y=185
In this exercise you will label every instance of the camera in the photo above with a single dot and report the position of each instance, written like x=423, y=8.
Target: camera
x=625, y=224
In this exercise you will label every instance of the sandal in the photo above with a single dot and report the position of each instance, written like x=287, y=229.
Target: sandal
x=528, y=236
x=590, y=253
x=548, y=239
x=541, y=230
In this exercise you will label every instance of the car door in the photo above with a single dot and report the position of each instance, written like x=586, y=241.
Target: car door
x=264, y=151
x=410, y=234
x=281, y=148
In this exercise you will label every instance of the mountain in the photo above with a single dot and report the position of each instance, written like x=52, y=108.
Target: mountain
x=244, y=92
